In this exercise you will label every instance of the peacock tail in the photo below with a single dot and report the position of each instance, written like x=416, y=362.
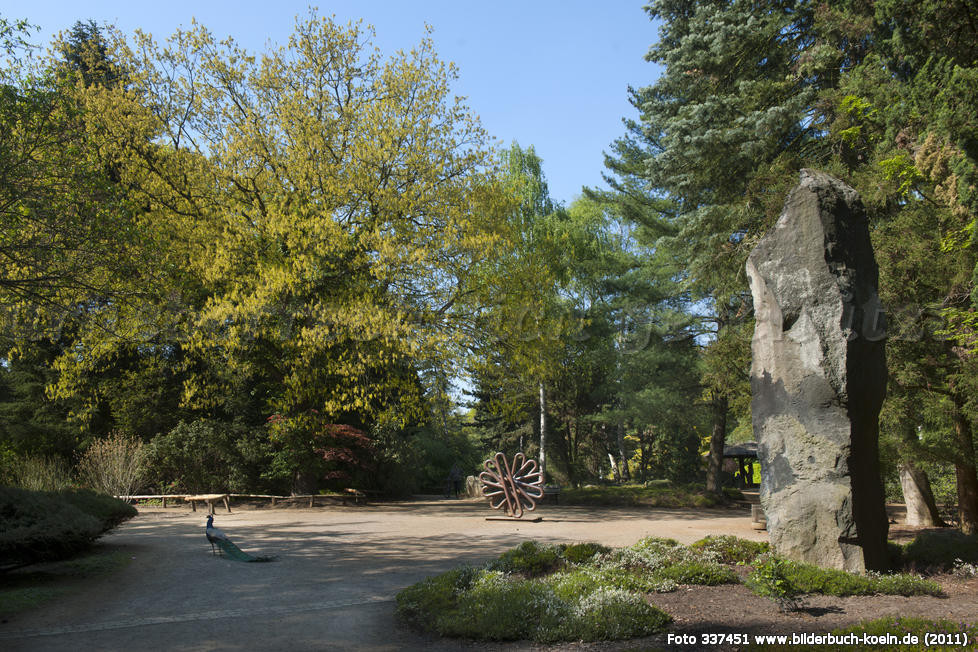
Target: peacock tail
x=232, y=551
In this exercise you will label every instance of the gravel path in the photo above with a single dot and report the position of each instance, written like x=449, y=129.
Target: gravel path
x=333, y=585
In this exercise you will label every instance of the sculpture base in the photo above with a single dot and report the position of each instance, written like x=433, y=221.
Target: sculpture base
x=514, y=520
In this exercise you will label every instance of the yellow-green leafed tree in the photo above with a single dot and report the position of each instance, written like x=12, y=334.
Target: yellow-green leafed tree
x=329, y=216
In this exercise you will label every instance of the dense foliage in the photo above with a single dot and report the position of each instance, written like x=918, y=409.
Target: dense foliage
x=753, y=92
x=44, y=526
x=310, y=267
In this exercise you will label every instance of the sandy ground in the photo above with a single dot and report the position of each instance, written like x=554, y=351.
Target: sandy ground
x=333, y=585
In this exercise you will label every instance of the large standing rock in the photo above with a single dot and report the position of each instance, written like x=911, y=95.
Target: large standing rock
x=818, y=378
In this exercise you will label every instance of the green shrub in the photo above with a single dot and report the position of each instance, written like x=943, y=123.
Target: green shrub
x=579, y=553
x=434, y=595
x=198, y=457
x=732, y=493
x=530, y=559
x=771, y=579
x=729, y=549
x=634, y=579
x=775, y=576
x=573, y=585
x=113, y=465
x=938, y=550
x=108, y=510
x=812, y=579
x=656, y=545
x=698, y=572
x=38, y=473
x=42, y=526
x=905, y=584
x=499, y=607
x=507, y=601
x=895, y=553
x=613, y=614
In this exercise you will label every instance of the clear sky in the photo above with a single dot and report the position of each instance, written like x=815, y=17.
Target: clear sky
x=549, y=73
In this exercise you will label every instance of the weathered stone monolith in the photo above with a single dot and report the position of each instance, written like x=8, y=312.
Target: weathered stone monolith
x=818, y=378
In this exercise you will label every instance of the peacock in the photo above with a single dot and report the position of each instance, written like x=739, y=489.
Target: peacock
x=219, y=540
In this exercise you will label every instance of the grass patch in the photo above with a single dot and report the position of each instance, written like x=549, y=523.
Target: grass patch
x=29, y=588
x=653, y=495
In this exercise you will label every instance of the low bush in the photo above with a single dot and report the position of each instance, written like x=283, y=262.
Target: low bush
x=41, y=526
x=108, y=510
x=774, y=577
x=578, y=553
x=612, y=614
x=771, y=578
x=698, y=572
x=113, y=465
x=511, y=599
x=530, y=558
x=729, y=549
x=434, y=595
x=495, y=606
x=939, y=550
x=498, y=607
x=38, y=473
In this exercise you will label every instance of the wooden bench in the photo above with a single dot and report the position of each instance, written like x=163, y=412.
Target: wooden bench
x=554, y=492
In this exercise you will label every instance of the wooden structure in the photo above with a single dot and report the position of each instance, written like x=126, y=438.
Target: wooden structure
x=356, y=496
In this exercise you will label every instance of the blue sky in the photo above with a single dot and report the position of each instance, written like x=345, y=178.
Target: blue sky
x=548, y=73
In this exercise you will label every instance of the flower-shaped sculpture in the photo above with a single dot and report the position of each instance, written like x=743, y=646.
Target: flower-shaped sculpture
x=515, y=487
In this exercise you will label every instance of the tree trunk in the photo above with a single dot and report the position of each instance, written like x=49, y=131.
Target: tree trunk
x=304, y=483
x=615, y=470
x=625, y=473
x=717, y=440
x=967, y=475
x=917, y=495
x=543, y=434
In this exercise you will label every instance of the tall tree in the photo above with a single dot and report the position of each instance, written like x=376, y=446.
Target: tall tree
x=67, y=234
x=331, y=206
x=901, y=124
x=716, y=134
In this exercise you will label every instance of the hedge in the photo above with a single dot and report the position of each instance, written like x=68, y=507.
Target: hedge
x=38, y=526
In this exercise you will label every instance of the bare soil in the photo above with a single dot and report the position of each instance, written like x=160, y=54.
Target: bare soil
x=339, y=568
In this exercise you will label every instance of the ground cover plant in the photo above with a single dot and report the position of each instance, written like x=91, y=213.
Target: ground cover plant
x=548, y=593
x=539, y=592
